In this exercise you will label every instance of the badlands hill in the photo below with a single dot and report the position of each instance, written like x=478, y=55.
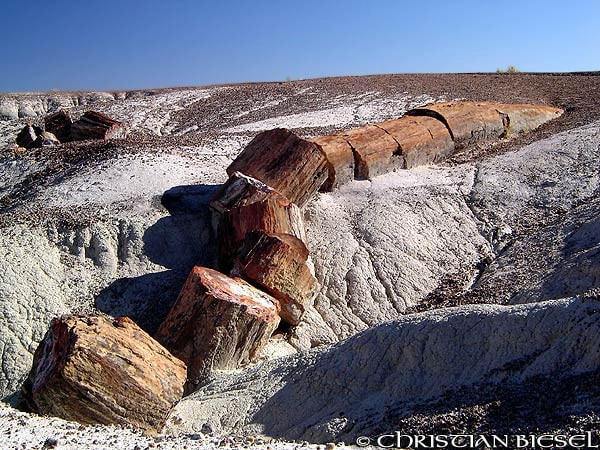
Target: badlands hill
x=461, y=296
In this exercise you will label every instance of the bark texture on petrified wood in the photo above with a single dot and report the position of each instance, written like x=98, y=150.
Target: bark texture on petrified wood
x=468, y=122
x=375, y=151
x=423, y=140
x=340, y=161
x=59, y=124
x=278, y=264
x=95, y=125
x=523, y=118
x=246, y=206
x=217, y=322
x=293, y=166
x=102, y=370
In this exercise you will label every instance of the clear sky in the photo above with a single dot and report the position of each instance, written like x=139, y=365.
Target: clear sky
x=127, y=44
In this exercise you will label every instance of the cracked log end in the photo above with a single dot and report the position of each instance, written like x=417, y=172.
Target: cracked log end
x=101, y=370
x=278, y=264
x=293, y=166
x=340, y=161
x=217, y=323
x=375, y=151
x=423, y=140
x=28, y=137
x=95, y=125
x=59, y=124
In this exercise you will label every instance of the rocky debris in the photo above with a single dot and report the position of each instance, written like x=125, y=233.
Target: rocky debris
x=217, y=323
x=524, y=118
x=28, y=136
x=101, y=370
x=95, y=125
x=47, y=139
x=375, y=151
x=279, y=158
x=59, y=124
x=278, y=264
x=422, y=140
x=340, y=160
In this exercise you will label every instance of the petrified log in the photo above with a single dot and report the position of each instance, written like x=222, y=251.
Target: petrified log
x=245, y=205
x=217, y=322
x=46, y=139
x=102, y=370
x=95, y=125
x=422, y=140
x=278, y=264
x=375, y=151
x=524, y=118
x=59, y=124
x=293, y=166
x=28, y=136
x=340, y=161
x=468, y=122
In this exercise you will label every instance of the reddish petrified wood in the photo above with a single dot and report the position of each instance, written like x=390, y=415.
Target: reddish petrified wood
x=468, y=122
x=423, y=140
x=217, y=322
x=293, y=166
x=102, y=370
x=524, y=118
x=375, y=151
x=59, y=124
x=278, y=264
x=340, y=161
x=245, y=205
x=95, y=125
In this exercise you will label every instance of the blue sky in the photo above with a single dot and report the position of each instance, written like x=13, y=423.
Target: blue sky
x=141, y=44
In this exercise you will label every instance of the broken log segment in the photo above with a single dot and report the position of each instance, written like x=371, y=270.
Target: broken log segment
x=422, y=140
x=101, y=370
x=468, y=122
x=524, y=118
x=217, y=323
x=59, y=124
x=277, y=263
x=293, y=166
x=95, y=125
x=246, y=205
x=28, y=136
x=375, y=151
x=340, y=161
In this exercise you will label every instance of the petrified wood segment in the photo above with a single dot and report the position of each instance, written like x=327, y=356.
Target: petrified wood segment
x=340, y=161
x=468, y=122
x=102, y=370
x=95, y=125
x=277, y=263
x=59, y=124
x=423, y=140
x=375, y=151
x=217, y=322
x=241, y=190
x=28, y=136
x=293, y=166
x=523, y=118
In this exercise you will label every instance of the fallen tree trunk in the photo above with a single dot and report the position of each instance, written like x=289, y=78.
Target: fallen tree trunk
x=278, y=264
x=59, y=124
x=102, y=370
x=217, y=322
x=340, y=161
x=95, y=125
x=293, y=166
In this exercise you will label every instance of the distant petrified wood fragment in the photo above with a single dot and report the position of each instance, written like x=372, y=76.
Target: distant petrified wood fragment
x=340, y=161
x=468, y=122
x=524, y=118
x=101, y=370
x=248, y=205
x=278, y=264
x=217, y=322
x=46, y=139
x=95, y=125
x=59, y=124
x=28, y=136
x=375, y=151
x=423, y=140
x=293, y=166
